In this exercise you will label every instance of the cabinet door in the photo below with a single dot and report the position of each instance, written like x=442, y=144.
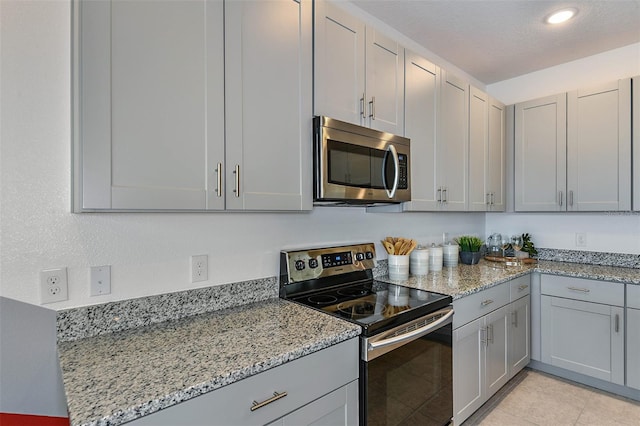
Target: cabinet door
x=599, y=148
x=268, y=104
x=496, y=361
x=633, y=348
x=583, y=337
x=339, y=407
x=519, y=335
x=339, y=64
x=479, y=197
x=636, y=141
x=496, y=156
x=421, y=105
x=453, y=142
x=540, y=154
x=384, y=82
x=149, y=104
x=468, y=369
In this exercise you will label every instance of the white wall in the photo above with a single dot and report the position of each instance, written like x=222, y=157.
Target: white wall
x=617, y=232
x=149, y=253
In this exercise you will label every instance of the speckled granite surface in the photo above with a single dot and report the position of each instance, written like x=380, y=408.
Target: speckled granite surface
x=146, y=369
x=463, y=280
x=594, y=272
x=111, y=317
x=590, y=257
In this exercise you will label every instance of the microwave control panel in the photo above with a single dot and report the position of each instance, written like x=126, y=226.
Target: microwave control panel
x=403, y=178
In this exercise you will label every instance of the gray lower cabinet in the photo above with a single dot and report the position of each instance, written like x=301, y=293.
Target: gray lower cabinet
x=491, y=343
x=582, y=326
x=633, y=336
x=321, y=388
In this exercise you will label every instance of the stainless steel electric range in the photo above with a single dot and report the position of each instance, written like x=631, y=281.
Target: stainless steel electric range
x=405, y=350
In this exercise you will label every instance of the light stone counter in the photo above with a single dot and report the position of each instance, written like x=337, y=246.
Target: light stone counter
x=113, y=378
x=464, y=280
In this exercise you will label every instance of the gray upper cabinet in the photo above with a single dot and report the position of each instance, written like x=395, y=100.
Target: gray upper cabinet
x=636, y=142
x=599, y=148
x=159, y=126
x=453, y=143
x=486, y=152
x=540, y=154
x=573, y=151
x=359, y=72
x=422, y=80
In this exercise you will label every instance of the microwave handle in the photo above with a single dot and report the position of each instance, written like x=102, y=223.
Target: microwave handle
x=396, y=162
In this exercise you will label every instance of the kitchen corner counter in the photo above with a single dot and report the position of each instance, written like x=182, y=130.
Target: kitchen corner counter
x=463, y=280
x=114, y=378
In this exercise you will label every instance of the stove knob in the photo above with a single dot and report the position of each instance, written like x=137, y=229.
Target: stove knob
x=369, y=255
x=313, y=263
x=359, y=256
x=299, y=265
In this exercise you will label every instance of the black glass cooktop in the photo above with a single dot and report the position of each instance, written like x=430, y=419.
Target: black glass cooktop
x=375, y=305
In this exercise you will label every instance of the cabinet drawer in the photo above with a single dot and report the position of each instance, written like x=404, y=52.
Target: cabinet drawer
x=305, y=379
x=583, y=289
x=478, y=304
x=633, y=296
x=519, y=287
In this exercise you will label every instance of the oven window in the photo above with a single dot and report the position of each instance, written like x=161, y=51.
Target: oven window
x=357, y=166
x=410, y=385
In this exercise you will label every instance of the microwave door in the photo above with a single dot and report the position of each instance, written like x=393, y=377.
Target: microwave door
x=390, y=171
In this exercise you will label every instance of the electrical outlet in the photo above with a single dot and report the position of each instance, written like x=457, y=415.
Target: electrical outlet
x=581, y=239
x=199, y=268
x=53, y=285
x=100, y=280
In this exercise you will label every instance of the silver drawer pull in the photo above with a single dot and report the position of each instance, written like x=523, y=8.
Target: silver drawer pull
x=583, y=290
x=486, y=302
x=522, y=287
x=276, y=396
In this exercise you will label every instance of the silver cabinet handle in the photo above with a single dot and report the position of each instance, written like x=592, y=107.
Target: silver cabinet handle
x=486, y=302
x=561, y=199
x=444, y=194
x=488, y=198
x=483, y=336
x=439, y=194
x=372, y=108
x=582, y=290
x=522, y=287
x=617, y=323
x=490, y=334
x=276, y=396
x=219, y=180
x=515, y=319
x=237, y=177
x=493, y=199
x=571, y=198
x=362, y=113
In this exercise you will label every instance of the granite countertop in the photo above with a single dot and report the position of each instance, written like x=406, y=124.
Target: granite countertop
x=464, y=280
x=114, y=378
x=119, y=376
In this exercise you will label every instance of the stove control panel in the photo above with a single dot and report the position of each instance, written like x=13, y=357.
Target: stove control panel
x=308, y=264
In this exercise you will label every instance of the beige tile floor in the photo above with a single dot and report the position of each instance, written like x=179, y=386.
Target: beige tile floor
x=535, y=398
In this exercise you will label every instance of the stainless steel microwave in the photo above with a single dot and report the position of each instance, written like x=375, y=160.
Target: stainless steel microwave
x=358, y=165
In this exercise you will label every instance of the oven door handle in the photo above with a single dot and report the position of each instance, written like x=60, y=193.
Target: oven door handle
x=412, y=334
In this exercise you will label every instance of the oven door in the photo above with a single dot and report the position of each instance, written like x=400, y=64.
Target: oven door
x=406, y=373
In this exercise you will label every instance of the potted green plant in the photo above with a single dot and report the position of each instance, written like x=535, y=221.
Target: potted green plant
x=469, y=249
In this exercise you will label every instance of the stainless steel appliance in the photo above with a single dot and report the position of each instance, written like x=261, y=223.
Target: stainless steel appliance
x=358, y=165
x=406, y=341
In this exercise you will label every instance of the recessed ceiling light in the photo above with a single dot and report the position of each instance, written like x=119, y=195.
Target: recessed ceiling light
x=561, y=16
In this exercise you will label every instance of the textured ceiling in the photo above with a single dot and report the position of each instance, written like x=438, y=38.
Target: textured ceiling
x=494, y=40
